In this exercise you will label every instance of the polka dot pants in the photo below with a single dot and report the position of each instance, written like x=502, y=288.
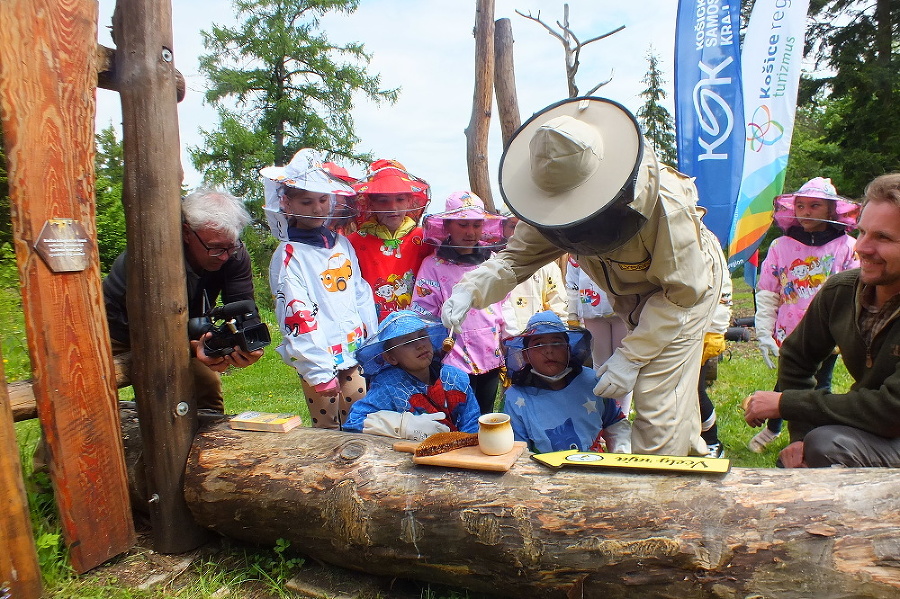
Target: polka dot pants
x=331, y=412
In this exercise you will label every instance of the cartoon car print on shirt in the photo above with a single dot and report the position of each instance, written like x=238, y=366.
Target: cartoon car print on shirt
x=338, y=273
x=299, y=320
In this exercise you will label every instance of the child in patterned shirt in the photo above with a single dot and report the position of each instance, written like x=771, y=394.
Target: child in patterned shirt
x=411, y=394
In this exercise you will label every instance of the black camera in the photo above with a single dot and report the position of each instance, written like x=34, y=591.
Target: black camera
x=238, y=325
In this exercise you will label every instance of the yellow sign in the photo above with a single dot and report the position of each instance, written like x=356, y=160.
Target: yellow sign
x=633, y=461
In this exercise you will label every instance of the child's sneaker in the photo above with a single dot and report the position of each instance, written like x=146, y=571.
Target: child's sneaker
x=715, y=451
x=759, y=442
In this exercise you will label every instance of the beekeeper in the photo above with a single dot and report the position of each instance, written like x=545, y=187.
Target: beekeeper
x=581, y=179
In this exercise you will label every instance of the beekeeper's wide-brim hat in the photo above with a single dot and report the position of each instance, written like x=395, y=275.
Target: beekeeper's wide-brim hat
x=571, y=161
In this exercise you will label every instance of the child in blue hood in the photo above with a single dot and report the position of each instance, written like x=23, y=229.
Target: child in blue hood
x=551, y=401
x=411, y=395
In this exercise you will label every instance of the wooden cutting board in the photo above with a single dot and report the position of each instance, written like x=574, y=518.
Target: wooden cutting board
x=466, y=457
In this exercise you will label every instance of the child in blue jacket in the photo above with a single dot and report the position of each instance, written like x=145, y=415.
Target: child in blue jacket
x=551, y=402
x=411, y=394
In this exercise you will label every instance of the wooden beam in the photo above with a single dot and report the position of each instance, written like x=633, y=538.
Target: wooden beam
x=480, y=121
x=47, y=76
x=350, y=499
x=20, y=575
x=157, y=296
x=505, y=80
x=108, y=79
x=21, y=393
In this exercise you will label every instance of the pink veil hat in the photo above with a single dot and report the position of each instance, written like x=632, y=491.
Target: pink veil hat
x=463, y=205
x=845, y=210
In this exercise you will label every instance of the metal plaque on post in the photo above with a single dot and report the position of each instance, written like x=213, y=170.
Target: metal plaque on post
x=64, y=245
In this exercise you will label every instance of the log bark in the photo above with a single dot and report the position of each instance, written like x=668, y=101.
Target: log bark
x=157, y=298
x=350, y=500
x=480, y=121
x=505, y=80
x=47, y=76
x=108, y=78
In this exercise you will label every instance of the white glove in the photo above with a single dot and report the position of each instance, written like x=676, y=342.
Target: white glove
x=618, y=437
x=404, y=425
x=419, y=426
x=764, y=322
x=616, y=376
x=383, y=422
x=767, y=345
x=456, y=307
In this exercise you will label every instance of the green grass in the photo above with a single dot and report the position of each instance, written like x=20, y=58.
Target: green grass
x=271, y=385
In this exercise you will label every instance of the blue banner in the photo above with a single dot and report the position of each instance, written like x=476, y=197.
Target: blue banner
x=709, y=113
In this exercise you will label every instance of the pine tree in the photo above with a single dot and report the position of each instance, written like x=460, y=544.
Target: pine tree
x=279, y=85
x=855, y=45
x=109, y=167
x=653, y=116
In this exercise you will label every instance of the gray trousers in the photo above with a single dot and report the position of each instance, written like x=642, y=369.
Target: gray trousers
x=847, y=446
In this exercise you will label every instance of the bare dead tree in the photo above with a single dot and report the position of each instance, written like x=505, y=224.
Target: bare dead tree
x=572, y=46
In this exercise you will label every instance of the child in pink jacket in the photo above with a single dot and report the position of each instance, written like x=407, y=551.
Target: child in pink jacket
x=465, y=235
x=815, y=245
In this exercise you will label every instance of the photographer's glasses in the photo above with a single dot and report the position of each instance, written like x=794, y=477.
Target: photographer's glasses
x=216, y=252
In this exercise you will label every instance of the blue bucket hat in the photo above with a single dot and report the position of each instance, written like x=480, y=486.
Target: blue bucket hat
x=544, y=323
x=397, y=324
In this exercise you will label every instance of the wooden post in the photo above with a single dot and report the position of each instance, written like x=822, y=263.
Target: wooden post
x=21, y=393
x=479, y=124
x=505, y=80
x=157, y=296
x=47, y=81
x=20, y=575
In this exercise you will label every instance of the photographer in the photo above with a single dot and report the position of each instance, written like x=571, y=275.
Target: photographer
x=216, y=263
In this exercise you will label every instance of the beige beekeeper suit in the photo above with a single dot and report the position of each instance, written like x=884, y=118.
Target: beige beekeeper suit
x=664, y=283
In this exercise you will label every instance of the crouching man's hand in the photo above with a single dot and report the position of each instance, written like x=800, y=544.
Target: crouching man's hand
x=237, y=358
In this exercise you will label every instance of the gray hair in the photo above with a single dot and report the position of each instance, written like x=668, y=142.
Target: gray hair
x=206, y=208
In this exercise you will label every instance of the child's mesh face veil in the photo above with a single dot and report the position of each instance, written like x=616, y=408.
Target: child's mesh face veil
x=405, y=340
x=576, y=340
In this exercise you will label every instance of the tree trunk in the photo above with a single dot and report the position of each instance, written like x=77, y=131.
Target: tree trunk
x=480, y=122
x=351, y=500
x=505, y=80
x=157, y=298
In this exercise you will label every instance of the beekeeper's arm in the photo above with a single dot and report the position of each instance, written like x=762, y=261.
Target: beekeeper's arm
x=526, y=252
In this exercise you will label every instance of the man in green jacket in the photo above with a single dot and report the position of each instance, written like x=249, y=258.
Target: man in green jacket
x=860, y=428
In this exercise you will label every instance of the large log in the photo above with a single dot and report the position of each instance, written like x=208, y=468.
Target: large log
x=351, y=500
